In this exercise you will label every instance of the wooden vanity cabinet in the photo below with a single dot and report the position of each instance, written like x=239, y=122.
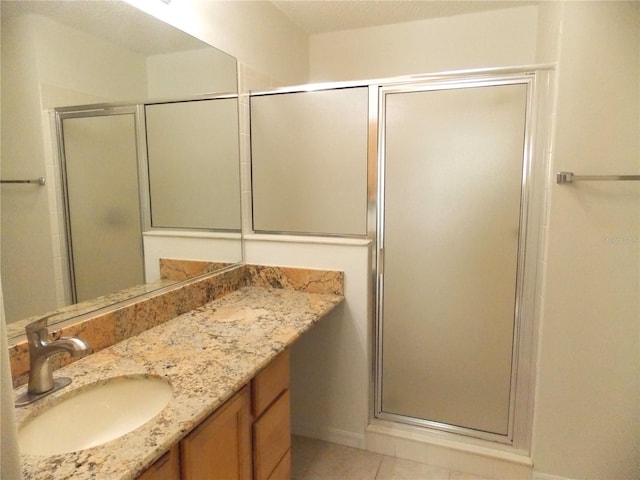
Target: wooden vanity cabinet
x=249, y=437
x=220, y=447
x=166, y=467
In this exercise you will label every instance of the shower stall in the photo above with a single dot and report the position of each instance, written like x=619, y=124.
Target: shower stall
x=438, y=172
x=453, y=197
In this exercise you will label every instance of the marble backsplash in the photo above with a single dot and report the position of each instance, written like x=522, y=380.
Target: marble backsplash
x=172, y=269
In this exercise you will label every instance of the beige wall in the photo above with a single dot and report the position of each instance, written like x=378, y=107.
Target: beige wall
x=255, y=32
x=587, y=421
x=25, y=209
x=86, y=68
x=195, y=72
x=504, y=37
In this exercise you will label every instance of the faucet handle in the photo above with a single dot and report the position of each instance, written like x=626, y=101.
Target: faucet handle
x=37, y=330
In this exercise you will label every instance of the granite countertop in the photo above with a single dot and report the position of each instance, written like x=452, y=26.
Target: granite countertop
x=207, y=355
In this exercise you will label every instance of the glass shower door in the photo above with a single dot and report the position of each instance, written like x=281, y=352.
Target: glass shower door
x=453, y=175
x=103, y=203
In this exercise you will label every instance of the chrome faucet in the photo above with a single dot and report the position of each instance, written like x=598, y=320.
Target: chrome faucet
x=41, y=349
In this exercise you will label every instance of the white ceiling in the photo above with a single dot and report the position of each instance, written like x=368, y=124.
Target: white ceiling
x=319, y=16
x=133, y=29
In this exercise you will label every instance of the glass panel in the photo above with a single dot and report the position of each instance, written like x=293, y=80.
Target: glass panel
x=103, y=202
x=193, y=164
x=452, y=210
x=309, y=162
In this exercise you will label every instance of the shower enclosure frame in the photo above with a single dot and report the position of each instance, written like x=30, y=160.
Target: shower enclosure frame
x=96, y=110
x=522, y=377
x=539, y=80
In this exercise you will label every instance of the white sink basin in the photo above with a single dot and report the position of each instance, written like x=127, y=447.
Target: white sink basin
x=96, y=414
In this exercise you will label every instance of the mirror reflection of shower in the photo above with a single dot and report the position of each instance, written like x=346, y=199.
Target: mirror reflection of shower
x=102, y=203
x=131, y=169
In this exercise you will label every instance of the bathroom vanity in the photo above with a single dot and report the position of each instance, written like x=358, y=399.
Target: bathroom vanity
x=227, y=362
x=248, y=437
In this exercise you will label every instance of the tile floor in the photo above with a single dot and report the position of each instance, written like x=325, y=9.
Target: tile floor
x=317, y=460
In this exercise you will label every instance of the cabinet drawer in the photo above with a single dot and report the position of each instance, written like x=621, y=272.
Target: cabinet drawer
x=270, y=383
x=271, y=437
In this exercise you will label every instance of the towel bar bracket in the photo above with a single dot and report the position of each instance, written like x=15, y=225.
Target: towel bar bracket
x=570, y=177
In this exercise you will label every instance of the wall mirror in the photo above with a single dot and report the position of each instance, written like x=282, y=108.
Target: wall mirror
x=60, y=55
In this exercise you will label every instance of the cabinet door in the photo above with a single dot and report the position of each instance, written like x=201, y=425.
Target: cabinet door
x=220, y=447
x=166, y=468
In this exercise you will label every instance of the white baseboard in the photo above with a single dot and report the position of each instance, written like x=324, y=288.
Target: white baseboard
x=334, y=435
x=546, y=476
